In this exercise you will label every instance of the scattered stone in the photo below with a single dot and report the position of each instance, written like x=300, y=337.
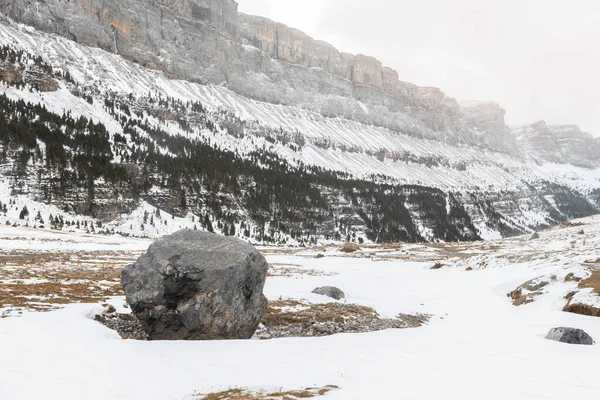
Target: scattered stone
x=534, y=236
x=317, y=320
x=321, y=328
x=570, y=335
x=126, y=325
x=581, y=232
x=290, y=318
x=196, y=285
x=330, y=291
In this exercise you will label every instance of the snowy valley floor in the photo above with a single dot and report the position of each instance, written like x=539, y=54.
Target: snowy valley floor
x=477, y=345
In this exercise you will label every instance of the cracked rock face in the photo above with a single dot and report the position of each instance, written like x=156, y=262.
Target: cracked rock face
x=197, y=286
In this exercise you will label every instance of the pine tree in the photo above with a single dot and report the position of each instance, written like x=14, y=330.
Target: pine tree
x=24, y=213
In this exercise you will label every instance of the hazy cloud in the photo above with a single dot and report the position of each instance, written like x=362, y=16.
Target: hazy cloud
x=538, y=58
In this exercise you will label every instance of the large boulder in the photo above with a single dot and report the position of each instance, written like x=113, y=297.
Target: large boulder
x=197, y=286
x=570, y=335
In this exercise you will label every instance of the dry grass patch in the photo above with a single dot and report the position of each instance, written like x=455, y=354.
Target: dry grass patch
x=414, y=321
x=289, y=270
x=242, y=394
x=528, y=291
x=349, y=248
x=571, y=277
x=582, y=309
x=287, y=312
x=570, y=224
x=41, y=281
x=392, y=246
x=592, y=282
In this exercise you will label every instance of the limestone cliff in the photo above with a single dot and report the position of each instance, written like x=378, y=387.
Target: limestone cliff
x=208, y=41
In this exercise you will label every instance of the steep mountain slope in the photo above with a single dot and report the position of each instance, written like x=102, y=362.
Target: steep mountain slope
x=272, y=152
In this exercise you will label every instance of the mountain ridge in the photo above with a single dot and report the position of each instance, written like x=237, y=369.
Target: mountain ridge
x=295, y=166
x=209, y=41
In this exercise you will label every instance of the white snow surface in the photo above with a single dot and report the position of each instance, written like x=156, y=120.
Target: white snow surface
x=477, y=344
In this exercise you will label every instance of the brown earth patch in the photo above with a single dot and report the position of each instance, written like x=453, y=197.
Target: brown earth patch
x=292, y=318
x=289, y=270
x=532, y=287
x=242, y=394
x=592, y=282
x=313, y=313
x=43, y=281
x=582, y=309
x=349, y=248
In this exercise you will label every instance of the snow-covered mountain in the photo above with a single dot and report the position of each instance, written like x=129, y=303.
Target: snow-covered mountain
x=118, y=110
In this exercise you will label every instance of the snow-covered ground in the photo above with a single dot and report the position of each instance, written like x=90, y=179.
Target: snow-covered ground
x=477, y=344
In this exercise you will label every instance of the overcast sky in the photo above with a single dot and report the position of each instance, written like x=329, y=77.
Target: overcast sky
x=540, y=59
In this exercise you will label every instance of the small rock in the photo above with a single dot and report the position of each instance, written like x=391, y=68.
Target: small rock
x=570, y=335
x=534, y=236
x=330, y=291
x=321, y=328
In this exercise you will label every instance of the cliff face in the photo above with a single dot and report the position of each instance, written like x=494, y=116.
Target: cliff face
x=564, y=144
x=209, y=41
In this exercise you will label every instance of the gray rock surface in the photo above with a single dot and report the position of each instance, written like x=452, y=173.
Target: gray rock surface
x=330, y=291
x=197, y=286
x=558, y=143
x=209, y=41
x=570, y=335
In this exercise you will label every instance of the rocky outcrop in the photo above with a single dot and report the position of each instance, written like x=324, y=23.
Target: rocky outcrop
x=40, y=79
x=488, y=119
x=196, y=285
x=10, y=74
x=564, y=144
x=33, y=75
